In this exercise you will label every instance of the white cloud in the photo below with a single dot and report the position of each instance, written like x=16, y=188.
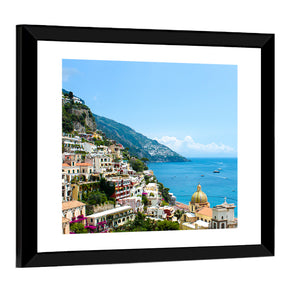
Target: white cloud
x=67, y=72
x=170, y=141
x=189, y=146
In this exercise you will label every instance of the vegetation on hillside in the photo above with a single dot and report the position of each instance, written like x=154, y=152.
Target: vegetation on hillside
x=164, y=192
x=98, y=192
x=138, y=144
x=69, y=118
x=137, y=165
x=142, y=223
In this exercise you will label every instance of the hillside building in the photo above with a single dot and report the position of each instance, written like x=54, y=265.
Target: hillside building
x=134, y=202
x=113, y=217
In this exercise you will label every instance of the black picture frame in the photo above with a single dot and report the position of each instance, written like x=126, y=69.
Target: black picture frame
x=27, y=213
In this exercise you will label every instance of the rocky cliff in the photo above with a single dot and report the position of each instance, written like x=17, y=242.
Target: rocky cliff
x=77, y=117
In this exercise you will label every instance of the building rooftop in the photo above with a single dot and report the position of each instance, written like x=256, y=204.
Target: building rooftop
x=202, y=223
x=110, y=211
x=225, y=205
x=205, y=211
x=191, y=225
x=83, y=164
x=190, y=215
x=71, y=204
x=182, y=206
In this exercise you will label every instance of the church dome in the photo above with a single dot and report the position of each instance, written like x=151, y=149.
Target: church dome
x=199, y=196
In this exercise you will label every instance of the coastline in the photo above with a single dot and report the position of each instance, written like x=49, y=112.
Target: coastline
x=182, y=179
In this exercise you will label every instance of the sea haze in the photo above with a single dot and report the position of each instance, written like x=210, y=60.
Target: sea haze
x=182, y=179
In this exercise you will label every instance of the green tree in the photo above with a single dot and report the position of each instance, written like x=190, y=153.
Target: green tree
x=78, y=228
x=67, y=126
x=178, y=213
x=164, y=203
x=107, y=187
x=89, y=210
x=164, y=191
x=71, y=95
x=142, y=223
x=137, y=165
x=96, y=198
x=167, y=225
x=145, y=200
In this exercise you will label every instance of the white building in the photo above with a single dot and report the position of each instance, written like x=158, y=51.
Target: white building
x=101, y=163
x=72, y=144
x=89, y=147
x=161, y=213
x=66, y=188
x=136, y=190
x=195, y=225
x=77, y=100
x=113, y=217
x=156, y=212
x=223, y=216
x=153, y=195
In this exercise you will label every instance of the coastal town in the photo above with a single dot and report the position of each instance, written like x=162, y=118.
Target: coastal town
x=107, y=189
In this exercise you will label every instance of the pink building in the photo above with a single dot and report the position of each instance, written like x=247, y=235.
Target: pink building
x=134, y=202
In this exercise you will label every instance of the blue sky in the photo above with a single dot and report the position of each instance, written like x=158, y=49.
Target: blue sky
x=192, y=108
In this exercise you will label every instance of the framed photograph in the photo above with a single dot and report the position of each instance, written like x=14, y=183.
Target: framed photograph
x=139, y=145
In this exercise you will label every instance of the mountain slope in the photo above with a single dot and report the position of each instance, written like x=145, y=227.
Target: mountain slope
x=77, y=117
x=138, y=144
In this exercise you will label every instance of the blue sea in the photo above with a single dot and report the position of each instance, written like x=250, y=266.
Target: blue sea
x=182, y=179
